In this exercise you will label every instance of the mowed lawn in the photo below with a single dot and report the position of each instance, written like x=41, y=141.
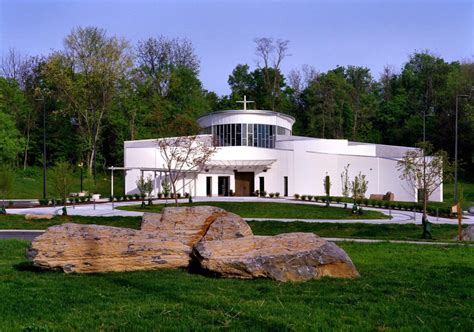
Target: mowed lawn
x=402, y=287
x=268, y=227
x=274, y=210
x=12, y=221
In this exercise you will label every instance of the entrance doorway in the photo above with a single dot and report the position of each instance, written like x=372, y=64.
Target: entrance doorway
x=244, y=183
x=223, y=183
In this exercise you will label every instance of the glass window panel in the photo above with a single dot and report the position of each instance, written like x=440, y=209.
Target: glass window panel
x=238, y=134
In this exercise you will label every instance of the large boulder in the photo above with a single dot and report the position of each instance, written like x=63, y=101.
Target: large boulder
x=164, y=241
x=285, y=257
x=226, y=227
x=468, y=234
x=30, y=216
x=189, y=224
x=94, y=248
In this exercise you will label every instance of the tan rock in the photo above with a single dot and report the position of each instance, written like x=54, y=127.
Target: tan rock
x=189, y=224
x=150, y=222
x=467, y=234
x=285, y=257
x=164, y=241
x=38, y=216
x=226, y=227
x=94, y=248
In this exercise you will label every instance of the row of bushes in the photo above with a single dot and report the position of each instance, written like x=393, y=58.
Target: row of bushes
x=60, y=201
x=322, y=199
x=432, y=209
x=120, y=198
x=264, y=194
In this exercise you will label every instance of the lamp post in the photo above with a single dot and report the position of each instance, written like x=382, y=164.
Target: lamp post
x=81, y=165
x=456, y=198
x=44, y=145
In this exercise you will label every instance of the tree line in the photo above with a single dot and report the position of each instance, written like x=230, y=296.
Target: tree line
x=100, y=90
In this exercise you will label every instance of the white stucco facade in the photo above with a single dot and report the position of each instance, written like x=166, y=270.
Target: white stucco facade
x=256, y=148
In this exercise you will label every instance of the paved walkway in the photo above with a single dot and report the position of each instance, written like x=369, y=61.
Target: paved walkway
x=107, y=209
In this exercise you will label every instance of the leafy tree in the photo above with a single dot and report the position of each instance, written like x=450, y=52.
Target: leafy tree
x=10, y=141
x=84, y=77
x=424, y=172
x=62, y=179
x=184, y=157
x=6, y=183
x=359, y=186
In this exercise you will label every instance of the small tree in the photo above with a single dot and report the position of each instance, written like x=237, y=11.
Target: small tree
x=346, y=185
x=144, y=186
x=62, y=179
x=6, y=184
x=184, y=157
x=424, y=174
x=327, y=187
x=359, y=186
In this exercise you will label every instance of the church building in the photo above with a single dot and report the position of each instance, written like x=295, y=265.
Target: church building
x=256, y=151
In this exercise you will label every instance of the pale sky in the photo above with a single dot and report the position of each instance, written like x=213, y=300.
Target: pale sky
x=323, y=34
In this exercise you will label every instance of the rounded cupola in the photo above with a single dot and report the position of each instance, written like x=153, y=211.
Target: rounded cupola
x=257, y=128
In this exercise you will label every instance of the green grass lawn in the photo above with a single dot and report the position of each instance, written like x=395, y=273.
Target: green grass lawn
x=365, y=231
x=346, y=230
x=274, y=210
x=11, y=221
x=361, y=231
x=468, y=193
x=402, y=287
x=29, y=184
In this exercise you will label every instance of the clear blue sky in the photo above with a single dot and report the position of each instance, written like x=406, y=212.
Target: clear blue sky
x=323, y=34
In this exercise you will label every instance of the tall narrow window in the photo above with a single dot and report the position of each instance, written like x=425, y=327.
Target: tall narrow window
x=285, y=186
x=262, y=184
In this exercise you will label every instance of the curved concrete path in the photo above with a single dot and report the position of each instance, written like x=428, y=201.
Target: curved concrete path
x=108, y=209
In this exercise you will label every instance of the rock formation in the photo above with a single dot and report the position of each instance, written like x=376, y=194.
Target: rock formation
x=164, y=241
x=219, y=241
x=284, y=257
x=38, y=216
x=468, y=234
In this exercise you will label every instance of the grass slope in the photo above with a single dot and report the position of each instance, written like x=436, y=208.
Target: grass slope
x=361, y=231
x=12, y=221
x=402, y=287
x=366, y=231
x=29, y=184
x=275, y=210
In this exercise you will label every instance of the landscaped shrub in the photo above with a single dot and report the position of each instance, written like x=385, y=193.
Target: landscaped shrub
x=43, y=202
x=365, y=201
x=271, y=195
x=338, y=199
x=386, y=204
x=296, y=196
x=277, y=194
x=310, y=197
x=303, y=197
x=137, y=196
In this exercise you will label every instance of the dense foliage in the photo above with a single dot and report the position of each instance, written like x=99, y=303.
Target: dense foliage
x=100, y=90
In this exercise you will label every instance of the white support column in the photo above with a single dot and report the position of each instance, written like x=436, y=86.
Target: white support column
x=159, y=185
x=184, y=182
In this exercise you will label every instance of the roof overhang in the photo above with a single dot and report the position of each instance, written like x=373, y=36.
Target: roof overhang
x=240, y=164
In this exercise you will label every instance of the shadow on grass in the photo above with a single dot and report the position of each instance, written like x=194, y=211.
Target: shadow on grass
x=28, y=267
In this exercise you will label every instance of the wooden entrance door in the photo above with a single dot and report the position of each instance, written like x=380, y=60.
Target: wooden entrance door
x=244, y=183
